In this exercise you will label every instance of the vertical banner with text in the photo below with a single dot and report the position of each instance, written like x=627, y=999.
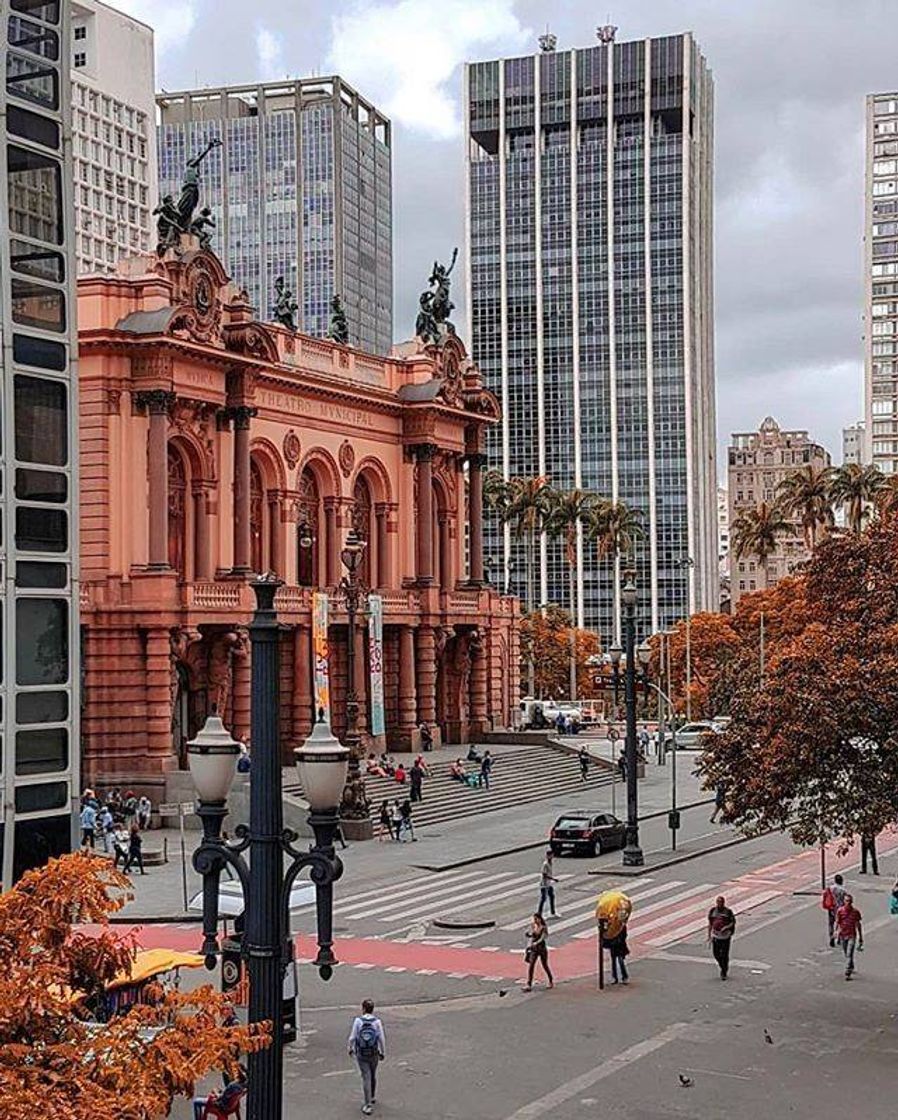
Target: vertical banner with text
x=319, y=653
x=376, y=659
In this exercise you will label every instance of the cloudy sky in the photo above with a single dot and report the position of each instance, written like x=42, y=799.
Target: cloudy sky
x=790, y=80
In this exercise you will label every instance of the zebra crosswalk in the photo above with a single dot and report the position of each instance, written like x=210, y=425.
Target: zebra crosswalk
x=665, y=910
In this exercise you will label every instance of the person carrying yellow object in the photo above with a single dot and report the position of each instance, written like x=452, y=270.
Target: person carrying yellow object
x=613, y=909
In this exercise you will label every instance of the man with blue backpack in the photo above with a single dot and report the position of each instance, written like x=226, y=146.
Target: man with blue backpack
x=367, y=1045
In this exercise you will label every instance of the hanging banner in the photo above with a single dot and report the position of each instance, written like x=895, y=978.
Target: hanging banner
x=376, y=660
x=320, y=653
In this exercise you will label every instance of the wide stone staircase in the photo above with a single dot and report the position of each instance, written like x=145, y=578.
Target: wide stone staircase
x=522, y=775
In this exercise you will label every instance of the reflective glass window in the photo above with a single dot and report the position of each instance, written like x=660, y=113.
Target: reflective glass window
x=34, y=183
x=32, y=80
x=35, y=305
x=36, y=573
x=28, y=351
x=37, y=799
x=32, y=126
x=41, y=486
x=42, y=641
x=33, y=37
x=35, y=260
x=42, y=751
x=42, y=707
x=47, y=10
x=41, y=421
x=39, y=529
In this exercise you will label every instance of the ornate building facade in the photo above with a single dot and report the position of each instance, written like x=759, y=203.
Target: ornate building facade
x=214, y=447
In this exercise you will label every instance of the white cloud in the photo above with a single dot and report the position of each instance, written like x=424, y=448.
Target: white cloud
x=171, y=20
x=269, y=49
x=403, y=55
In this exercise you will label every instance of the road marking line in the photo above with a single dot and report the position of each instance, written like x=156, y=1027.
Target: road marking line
x=457, y=975
x=426, y=890
x=395, y=968
x=654, y=907
x=426, y=972
x=613, y=1065
x=640, y=927
x=662, y=955
x=393, y=891
x=430, y=901
x=484, y=897
x=363, y=966
x=590, y=914
x=489, y=948
x=691, y=927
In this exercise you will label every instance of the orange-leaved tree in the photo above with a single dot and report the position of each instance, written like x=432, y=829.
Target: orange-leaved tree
x=546, y=644
x=813, y=748
x=55, y=1060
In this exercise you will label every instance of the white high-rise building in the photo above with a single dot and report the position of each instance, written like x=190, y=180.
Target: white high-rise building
x=854, y=443
x=590, y=302
x=114, y=129
x=881, y=282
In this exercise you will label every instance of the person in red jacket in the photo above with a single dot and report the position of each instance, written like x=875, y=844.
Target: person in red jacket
x=850, y=932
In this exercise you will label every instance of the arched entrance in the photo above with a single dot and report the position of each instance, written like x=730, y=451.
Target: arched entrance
x=308, y=536
x=362, y=522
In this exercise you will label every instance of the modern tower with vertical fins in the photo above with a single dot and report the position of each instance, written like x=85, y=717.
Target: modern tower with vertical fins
x=590, y=300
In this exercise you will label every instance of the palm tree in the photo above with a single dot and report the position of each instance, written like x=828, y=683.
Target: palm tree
x=528, y=505
x=886, y=500
x=615, y=528
x=854, y=488
x=805, y=493
x=495, y=493
x=755, y=532
x=569, y=510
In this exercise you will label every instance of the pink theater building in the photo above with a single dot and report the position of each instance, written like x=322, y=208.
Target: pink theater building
x=214, y=447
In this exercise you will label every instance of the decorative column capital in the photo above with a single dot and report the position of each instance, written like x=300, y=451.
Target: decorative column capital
x=241, y=414
x=477, y=459
x=156, y=401
x=424, y=452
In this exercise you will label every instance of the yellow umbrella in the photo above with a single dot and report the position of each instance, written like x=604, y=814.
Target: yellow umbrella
x=152, y=962
x=615, y=908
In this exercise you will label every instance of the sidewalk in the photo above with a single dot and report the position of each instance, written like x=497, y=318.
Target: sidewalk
x=160, y=893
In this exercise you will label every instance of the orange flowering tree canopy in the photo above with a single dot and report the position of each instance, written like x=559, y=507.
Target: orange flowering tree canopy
x=813, y=747
x=546, y=638
x=56, y=1061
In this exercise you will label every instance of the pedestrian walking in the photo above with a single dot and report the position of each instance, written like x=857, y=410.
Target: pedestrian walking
x=135, y=850
x=130, y=807
x=832, y=901
x=104, y=828
x=583, y=759
x=721, y=927
x=850, y=932
x=645, y=743
x=144, y=812
x=386, y=821
x=893, y=900
x=120, y=844
x=720, y=796
x=622, y=764
x=396, y=820
x=618, y=951
x=537, y=950
x=868, y=852
x=415, y=780
x=368, y=1046
x=486, y=769
x=88, y=825
x=406, y=810
x=547, y=883
x=426, y=737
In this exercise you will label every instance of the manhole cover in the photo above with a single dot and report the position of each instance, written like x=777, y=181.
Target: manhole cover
x=461, y=922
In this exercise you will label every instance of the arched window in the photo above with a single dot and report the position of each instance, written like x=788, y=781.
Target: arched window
x=256, y=518
x=177, y=514
x=307, y=534
x=362, y=522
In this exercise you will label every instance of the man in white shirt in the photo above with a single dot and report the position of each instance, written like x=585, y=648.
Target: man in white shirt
x=368, y=1046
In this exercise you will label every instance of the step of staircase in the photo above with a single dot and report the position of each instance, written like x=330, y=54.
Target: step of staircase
x=533, y=773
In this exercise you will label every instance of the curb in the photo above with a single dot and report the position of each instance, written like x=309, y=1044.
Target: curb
x=155, y=920
x=542, y=843
x=649, y=866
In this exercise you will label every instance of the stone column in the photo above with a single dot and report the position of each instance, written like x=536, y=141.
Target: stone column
x=302, y=682
x=384, y=577
x=242, y=415
x=476, y=464
x=275, y=552
x=159, y=745
x=331, y=543
x=424, y=540
x=241, y=682
x=158, y=402
x=479, y=702
x=426, y=672
x=202, y=559
x=445, y=552
x=408, y=703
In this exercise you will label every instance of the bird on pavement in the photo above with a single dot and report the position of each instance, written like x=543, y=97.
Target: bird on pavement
x=685, y=1081
x=503, y=992
x=767, y=1037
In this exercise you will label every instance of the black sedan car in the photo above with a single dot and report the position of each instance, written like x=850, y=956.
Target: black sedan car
x=585, y=831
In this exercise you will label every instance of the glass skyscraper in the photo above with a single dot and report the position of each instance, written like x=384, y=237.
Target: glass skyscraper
x=39, y=527
x=577, y=160
x=301, y=187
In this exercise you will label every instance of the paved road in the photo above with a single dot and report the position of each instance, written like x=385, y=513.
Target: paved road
x=459, y=1050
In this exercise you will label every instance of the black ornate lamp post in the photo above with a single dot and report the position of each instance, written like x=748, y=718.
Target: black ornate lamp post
x=322, y=763
x=632, y=854
x=355, y=804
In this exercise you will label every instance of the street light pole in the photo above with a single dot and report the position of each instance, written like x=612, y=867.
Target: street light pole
x=266, y=889
x=632, y=854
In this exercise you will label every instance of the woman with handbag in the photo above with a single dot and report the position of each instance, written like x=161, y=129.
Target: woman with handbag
x=617, y=947
x=537, y=950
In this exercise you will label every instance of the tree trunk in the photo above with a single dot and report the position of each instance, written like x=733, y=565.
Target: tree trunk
x=572, y=574
x=528, y=575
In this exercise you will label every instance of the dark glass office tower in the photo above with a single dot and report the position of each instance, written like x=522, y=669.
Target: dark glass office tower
x=38, y=503
x=301, y=187
x=589, y=248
